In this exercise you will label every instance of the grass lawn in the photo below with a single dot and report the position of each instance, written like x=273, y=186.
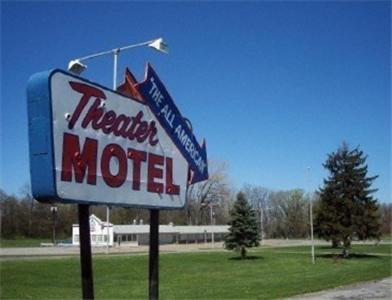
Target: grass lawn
x=271, y=273
x=23, y=242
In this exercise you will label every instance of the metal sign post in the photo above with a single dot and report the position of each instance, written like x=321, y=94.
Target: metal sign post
x=85, y=252
x=153, y=277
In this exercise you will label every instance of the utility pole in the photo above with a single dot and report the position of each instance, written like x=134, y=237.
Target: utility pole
x=54, y=211
x=211, y=205
x=107, y=229
x=311, y=217
x=212, y=223
x=261, y=223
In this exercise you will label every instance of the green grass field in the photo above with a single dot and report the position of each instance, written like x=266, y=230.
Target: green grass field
x=270, y=273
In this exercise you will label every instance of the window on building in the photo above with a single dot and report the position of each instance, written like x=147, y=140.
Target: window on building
x=76, y=238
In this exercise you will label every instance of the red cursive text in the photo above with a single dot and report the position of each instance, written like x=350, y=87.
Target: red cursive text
x=132, y=128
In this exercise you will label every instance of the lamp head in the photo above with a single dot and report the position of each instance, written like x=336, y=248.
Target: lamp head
x=75, y=66
x=159, y=45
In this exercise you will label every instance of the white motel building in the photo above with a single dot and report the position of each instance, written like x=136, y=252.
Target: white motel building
x=138, y=234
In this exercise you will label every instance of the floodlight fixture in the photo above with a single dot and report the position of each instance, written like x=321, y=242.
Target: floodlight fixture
x=159, y=45
x=75, y=66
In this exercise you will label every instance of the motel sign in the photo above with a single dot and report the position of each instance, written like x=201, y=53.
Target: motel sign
x=92, y=145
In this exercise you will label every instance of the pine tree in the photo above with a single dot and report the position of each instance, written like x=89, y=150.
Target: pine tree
x=243, y=231
x=347, y=208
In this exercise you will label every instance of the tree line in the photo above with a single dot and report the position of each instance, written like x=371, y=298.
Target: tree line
x=280, y=214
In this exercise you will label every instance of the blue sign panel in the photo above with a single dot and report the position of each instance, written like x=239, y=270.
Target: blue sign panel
x=163, y=107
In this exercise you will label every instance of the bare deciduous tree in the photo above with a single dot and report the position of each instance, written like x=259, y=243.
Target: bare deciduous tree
x=215, y=191
x=258, y=197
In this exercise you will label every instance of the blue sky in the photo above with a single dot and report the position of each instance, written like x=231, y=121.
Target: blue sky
x=272, y=86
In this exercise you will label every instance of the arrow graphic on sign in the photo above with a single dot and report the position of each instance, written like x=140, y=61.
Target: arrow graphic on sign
x=163, y=107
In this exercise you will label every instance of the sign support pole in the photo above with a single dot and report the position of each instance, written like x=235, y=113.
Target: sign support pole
x=153, y=278
x=85, y=252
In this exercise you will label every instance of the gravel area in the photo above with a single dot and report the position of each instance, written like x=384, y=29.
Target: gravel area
x=381, y=290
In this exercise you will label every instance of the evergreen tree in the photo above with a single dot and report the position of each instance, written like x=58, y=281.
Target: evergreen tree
x=243, y=231
x=347, y=208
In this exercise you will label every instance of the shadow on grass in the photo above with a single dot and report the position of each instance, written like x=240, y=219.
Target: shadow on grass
x=250, y=257
x=351, y=256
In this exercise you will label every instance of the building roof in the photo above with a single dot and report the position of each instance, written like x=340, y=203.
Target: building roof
x=137, y=229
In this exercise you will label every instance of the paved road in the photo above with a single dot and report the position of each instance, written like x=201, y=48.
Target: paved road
x=381, y=290
x=52, y=252
x=36, y=252
x=55, y=252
